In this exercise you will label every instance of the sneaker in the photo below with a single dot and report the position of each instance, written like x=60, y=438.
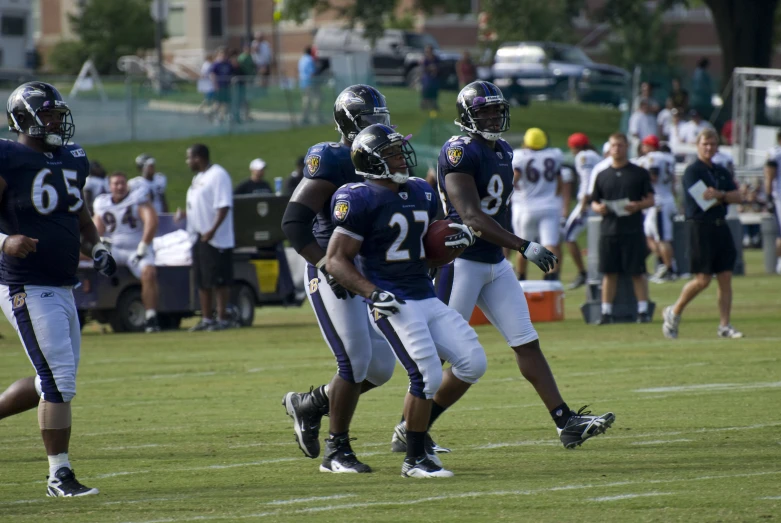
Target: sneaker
x=423, y=467
x=65, y=485
x=399, y=442
x=605, y=319
x=582, y=426
x=151, y=325
x=220, y=325
x=643, y=317
x=339, y=458
x=307, y=411
x=670, y=323
x=200, y=326
x=729, y=331
x=580, y=281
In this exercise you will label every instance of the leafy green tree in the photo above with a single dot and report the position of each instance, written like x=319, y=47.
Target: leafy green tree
x=109, y=29
x=519, y=20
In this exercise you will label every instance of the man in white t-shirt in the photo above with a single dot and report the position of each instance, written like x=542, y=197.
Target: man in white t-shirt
x=642, y=123
x=210, y=219
x=692, y=129
x=151, y=182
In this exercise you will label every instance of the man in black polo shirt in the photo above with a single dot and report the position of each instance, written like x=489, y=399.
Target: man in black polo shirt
x=622, y=245
x=711, y=245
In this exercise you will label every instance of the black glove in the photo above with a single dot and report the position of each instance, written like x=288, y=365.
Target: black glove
x=339, y=291
x=385, y=303
x=539, y=255
x=104, y=263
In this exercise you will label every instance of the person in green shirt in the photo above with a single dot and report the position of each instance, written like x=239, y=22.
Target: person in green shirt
x=247, y=70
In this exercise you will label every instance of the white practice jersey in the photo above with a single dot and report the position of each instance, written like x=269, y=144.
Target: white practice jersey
x=96, y=186
x=774, y=155
x=585, y=161
x=540, y=171
x=665, y=164
x=598, y=168
x=154, y=188
x=122, y=220
x=725, y=160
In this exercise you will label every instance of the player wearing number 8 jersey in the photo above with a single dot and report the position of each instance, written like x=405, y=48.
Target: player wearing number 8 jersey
x=129, y=219
x=475, y=182
x=536, y=201
x=44, y=225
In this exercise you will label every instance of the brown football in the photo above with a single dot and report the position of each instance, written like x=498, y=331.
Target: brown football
x=437, y=254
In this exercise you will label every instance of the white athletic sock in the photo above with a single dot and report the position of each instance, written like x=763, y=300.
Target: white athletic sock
x=150, y=313
x=642, y=306
x=607, y=308
x=57, y=462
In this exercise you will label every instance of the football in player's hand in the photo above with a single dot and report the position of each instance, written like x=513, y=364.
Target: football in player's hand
x=437, y=253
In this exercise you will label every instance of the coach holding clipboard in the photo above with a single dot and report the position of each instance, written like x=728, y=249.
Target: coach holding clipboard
x=708, y=188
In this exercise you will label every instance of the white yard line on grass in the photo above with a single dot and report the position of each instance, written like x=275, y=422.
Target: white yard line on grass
x=307, y=500
x=714, y=386
x=660, y=441
x=631, y=496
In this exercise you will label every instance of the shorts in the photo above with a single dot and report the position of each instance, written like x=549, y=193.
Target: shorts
x=712, y=248
x=623, y=254
x=543, y=225
x=212, y=267
x=127, y=258
x=658, y=223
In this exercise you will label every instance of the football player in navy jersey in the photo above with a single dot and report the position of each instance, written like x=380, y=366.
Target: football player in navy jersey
x=475, y=183
x=45, y=225
x=384, y=221
x=363, y=357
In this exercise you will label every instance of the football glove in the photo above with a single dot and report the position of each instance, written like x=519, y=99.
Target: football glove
x=539, y=255
x=140, y=252
x=339, y=291
x=385, y=303
x=103, y=262
x=464, y=238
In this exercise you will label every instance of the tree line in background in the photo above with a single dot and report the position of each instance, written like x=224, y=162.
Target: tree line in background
x=637, y=35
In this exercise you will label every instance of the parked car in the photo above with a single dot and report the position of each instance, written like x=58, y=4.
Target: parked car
x=395, y=58
x=557, y=71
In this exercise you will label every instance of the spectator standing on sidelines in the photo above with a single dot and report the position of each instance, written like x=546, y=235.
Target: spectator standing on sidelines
x=690, y=131
x=261, y=55
x=205, y=86
x=247, y=70
x=773, y=192
x=255, y=184
x=429, y=80
x=309, y=85
x=679, y=95
x=466, y=70
x=622, y=247
x=711, y=245
x=221, y=72
x=642, y=123
x=210, y=218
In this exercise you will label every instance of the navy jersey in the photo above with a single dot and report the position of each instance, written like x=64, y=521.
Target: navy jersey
x=329, y=161
x=392, y=226
x=42, y=200
x=493, y=173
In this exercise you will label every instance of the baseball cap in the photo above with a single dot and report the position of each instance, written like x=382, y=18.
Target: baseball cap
x=651, y=140
x=577, y=140
x=257, y=164
x=535, y=139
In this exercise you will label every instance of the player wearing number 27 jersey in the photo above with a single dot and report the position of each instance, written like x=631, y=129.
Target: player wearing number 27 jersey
x=44, y=225
x=475, y=181
x=384, y=221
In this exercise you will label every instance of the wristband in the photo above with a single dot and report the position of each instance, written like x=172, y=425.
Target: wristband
x=97, y=248
x=3, y=238
x=141, y=250
x=321, y=263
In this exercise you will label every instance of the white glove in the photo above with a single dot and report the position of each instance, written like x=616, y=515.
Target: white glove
x=385, y=303
x=540, y=256
x=465, y=236
x=140, y=252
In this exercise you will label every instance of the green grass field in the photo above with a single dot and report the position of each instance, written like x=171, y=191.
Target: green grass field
x=182, y=427
x=280, y=149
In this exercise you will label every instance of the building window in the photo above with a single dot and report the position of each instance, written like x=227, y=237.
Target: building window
x=216, y=18
x=13, y=26
x=175, y=22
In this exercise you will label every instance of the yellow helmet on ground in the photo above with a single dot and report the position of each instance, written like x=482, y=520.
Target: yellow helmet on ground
x=535, y=138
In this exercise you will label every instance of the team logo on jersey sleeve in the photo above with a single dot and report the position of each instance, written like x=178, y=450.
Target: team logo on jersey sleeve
x=454, y=155
x=341, y=210
x=19, y=300
x=313, y=163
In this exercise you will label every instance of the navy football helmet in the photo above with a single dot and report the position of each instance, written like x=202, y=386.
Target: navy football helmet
x=373, y=147
x=475, y=116
x=24, y=109
x=358, y=107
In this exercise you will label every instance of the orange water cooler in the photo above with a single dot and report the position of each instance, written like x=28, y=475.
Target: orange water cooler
x=545, y=299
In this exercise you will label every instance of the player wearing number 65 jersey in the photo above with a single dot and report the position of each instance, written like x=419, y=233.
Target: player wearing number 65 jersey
x=475, y=181
x=44, y=225
x=129, y=219
x=384, y=220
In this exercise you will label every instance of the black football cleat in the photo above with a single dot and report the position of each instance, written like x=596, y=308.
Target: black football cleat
x=423, y=467
x=605, y=319
x=339, y=458
x=582, y=426
x=307, y=411
x=65, y=485
x=643, y=317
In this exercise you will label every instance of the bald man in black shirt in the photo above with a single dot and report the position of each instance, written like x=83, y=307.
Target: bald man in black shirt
x=711, y=245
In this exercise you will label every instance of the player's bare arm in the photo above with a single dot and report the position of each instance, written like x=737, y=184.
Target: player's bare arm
x=222, y=212
x=516, y=176
x=150, y=220
x=308, y=199
x=99, y=225
x=770, y=173
x=565, y=190
x=89, y=233
x=645, y=203
x=17, y=245
x=342, y=250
